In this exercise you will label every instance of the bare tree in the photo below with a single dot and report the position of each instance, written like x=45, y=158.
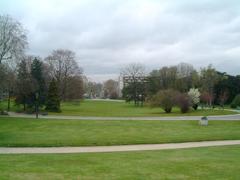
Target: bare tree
x=134, y=89
x=133, y=70
x=62, y=65
x=111, y=89
x=13, y=39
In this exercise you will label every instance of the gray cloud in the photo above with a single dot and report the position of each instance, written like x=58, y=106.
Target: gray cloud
x=106, y=34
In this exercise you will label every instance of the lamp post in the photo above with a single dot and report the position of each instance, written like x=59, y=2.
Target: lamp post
x=36, y=104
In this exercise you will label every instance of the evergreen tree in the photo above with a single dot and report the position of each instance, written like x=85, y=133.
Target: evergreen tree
x=24, y=86
x=39, y=81
x=53, y=98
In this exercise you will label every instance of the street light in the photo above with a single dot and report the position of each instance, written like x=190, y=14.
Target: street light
x=36, y=104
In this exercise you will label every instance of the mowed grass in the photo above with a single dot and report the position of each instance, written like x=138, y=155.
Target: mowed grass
x=123, y=109
x=32, y=132
x=196, y=163
x=103, y=108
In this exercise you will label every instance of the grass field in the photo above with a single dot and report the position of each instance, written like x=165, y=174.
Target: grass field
x=121, y=109
x=196, y=163
x=32, y=132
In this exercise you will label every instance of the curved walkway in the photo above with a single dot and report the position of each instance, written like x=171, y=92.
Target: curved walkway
x=217, y=117
x=121, y=148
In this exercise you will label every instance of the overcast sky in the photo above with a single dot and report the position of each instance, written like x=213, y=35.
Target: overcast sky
x=106, y=35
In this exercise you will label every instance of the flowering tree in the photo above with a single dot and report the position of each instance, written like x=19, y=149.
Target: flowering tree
x=194, y=95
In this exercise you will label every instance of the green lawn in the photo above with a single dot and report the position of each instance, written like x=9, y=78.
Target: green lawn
x=32, y=132
x=196, y=163
x=122, y=109
x=119, y=109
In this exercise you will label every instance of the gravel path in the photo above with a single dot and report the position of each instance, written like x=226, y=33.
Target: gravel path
x=220, y=117
x=121, y=148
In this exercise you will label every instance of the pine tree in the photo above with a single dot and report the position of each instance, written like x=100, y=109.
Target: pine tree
x=53, y=98
x=24, y=85
x=39, y=81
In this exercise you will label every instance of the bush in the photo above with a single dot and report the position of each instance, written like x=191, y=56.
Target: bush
x=184, y=102
x=164, y=99
x=236, y=101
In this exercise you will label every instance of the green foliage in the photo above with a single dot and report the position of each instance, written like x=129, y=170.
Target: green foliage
x=229, y=84
x=25, y=88
x=38, y=80
x=236, y=102
x=164, y=99
x=53, y=98
x=135, y=91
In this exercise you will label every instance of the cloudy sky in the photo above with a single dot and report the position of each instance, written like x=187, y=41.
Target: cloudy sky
x=108, y=34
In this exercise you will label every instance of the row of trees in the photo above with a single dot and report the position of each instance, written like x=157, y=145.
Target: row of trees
x=108, y=89
x=47, y=82
x=31, y=80
x=215, y=87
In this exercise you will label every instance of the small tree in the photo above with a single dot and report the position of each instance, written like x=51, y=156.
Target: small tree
x=164, y=99
x=53, y=98
x=194, y=96
x=183, y=101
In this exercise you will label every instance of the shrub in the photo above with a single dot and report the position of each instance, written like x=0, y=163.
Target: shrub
x=164, y=99
x=184, y=102
x=236, y=101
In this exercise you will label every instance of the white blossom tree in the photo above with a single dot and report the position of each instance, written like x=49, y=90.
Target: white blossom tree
x=194, y=95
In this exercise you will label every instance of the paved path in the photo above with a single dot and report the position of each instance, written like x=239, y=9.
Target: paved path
x=122, y=148
x=220, y=117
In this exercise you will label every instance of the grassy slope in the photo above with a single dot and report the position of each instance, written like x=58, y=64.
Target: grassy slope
x=27, y=132
x=197, y=163
x=105, y=108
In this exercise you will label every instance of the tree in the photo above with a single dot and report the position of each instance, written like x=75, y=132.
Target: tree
x=165, y=99
x=93, y=89
x=38, y=80
x=223, y=98
x=63, y=64
x=194, y=95
x=186, y=77
x=134, y=90
x=228, y=83
x=75, y=88
x=111, y=89
x=163, y=78
x=25, y=87
x=209, y=78
x=53, y=98
x=13, y=39
x=133, y=70
x=207, y=98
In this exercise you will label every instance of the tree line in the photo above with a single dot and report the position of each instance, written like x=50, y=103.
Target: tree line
x=172, y=85
x=30, y=80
